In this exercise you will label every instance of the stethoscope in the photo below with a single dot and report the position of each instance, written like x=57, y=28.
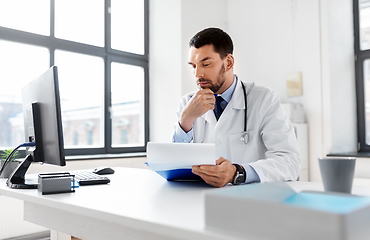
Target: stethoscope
x=244, y=137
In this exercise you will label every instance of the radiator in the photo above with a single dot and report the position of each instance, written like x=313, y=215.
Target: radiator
x=11, y=219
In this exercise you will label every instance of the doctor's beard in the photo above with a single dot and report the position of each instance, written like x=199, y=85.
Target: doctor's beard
x=220, y=81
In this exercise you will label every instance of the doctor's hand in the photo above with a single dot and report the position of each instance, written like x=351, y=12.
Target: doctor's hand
x=216, y=175
x=199, y=104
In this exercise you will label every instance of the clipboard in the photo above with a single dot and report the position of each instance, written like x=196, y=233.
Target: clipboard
x=173, y=161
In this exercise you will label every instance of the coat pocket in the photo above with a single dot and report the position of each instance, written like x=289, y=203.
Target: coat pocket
x=240, y=151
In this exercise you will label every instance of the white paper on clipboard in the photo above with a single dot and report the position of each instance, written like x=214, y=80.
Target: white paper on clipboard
x=167, y=156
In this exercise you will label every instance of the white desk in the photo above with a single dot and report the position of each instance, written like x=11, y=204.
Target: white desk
x=137, y=204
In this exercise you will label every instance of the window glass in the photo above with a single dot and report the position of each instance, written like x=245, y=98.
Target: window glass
x=128, y=25
x=364, y=24
x=80, y=21
x=20, y=63
x=26, y=15
x=367, y=99
x=81, y=82
x=127, y=111
x=82, y=75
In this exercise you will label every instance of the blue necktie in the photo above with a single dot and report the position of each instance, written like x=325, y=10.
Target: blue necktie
x=218, y=108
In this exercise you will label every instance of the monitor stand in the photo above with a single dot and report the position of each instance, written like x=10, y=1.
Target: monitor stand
x=17, y=178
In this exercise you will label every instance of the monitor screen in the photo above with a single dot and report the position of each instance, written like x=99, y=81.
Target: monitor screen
x=42, y=118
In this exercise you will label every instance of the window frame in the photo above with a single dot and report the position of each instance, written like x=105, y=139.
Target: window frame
x=360, y=57
x=108, y=55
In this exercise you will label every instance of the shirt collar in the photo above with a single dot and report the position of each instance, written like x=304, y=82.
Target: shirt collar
x=229, y=92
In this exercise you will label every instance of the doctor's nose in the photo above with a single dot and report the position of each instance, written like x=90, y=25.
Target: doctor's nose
x=198, y=73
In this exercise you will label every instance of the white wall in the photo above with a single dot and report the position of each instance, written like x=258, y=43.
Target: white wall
x=339, y=105
x=172, y=24
x=165, y=66
x=197, y=15
x=338, y=55
x=272, y=38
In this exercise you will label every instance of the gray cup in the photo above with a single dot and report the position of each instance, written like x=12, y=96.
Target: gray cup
x=337, y=174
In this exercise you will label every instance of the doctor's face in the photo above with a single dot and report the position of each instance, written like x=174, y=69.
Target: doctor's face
x=208, y=68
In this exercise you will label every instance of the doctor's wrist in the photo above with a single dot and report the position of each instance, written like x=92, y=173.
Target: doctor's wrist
x=186, y=126
x=234, y=171
x=186, y=122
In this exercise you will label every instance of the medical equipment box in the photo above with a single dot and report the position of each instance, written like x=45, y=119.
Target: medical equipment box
x=276, y=211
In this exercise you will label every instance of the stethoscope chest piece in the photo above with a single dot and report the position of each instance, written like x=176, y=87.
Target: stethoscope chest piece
x=244, y=138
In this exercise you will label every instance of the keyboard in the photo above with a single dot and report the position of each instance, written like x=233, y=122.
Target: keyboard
x=88, y=178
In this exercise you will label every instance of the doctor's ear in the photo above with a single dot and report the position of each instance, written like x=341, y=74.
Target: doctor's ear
x=229, y=62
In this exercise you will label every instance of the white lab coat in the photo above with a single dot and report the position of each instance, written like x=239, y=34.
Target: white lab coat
x=272, y=150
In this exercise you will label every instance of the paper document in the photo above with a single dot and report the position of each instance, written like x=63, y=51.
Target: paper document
x=173, y=161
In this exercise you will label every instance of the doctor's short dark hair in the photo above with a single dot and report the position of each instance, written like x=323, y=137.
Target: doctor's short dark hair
x=220, y=40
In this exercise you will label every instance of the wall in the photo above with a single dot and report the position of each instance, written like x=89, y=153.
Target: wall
x=275, y=38
x=313, y=37
x=172, y=24
x=165, y=66
x=338, y=80
x=197, y=15
x=272, y=38
x=339, y=28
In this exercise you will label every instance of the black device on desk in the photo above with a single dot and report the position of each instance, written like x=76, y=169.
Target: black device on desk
x=43, y=126
x=103, y=170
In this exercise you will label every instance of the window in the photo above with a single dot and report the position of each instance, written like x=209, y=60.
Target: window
x=362, y=40
x=127, y=110
x=126, y=15
x=362, y=66
x=22, y=18
x=76, y=22
x=101, y=50
x=81, y=84
x=18, y=63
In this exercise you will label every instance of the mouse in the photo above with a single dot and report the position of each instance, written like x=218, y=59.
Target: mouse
x=103, y=170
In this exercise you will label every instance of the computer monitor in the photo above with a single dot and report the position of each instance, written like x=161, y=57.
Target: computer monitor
x=42, y=125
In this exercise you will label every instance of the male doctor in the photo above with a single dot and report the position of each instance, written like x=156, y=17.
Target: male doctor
x=255, y=140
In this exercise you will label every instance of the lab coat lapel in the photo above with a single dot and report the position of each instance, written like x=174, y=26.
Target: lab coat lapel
x=208, y=120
